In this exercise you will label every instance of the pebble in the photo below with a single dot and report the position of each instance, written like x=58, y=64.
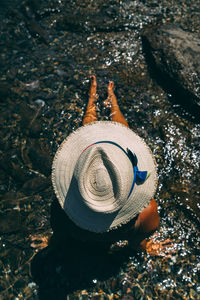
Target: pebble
x=39, y=103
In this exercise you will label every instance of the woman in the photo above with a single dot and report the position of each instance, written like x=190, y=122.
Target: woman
x=103, y=196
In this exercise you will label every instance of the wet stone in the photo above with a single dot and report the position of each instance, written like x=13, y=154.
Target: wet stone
x=5, y=89
x=39, y=155
x=193, y=294
x=30, y=86
x=39, y=103
x=12, y=166
x=10, y=222
x=9, y=196
x=137, y=292
x=174, y=55
x=36, y=185
x=128, y=297
x=30, y=120
x=16, y=200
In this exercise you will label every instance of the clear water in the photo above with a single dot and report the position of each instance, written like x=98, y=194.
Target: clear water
x=48, y=50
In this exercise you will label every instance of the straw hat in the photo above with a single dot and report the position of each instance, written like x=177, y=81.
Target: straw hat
x=96, y=175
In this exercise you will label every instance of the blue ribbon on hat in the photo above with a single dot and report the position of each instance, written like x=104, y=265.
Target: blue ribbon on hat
x=139, y=176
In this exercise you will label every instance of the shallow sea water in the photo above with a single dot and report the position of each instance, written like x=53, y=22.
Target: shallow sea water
x=48, y=49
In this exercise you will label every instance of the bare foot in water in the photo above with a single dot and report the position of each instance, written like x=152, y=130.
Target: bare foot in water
x=93, y=87
x=111, y=102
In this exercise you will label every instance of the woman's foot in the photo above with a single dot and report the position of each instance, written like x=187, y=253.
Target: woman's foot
x=110, y=87
x=111, y=100
x=93, y=88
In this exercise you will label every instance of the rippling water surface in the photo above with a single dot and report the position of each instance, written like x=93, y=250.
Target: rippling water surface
x=48, y=49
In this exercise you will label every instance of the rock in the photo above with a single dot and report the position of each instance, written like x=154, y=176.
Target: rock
x=31, y=86
x=12, y=199
x=39, y=103
x=98, y=16
x=137, y=292
x=193, y=294
x=30, y=120
x=11, y=165
x=33, y=26
x=9, y=196
x=10, y=222
x=5, y=5
x=36, y=185
x=4, y=90
x=127, y=297
x=173, y=56
x=40, y=157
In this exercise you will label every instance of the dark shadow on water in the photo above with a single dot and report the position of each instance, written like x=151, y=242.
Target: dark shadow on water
x=185, y=100
x=67, y=265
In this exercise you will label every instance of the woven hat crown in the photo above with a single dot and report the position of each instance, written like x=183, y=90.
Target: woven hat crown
x=104, y=176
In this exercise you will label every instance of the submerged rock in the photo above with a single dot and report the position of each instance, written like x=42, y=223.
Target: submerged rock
x=95, y=16
x=173, y=56
x=30, y=86
x=4, y=90
x=36, y=185
x=40, y=156
x=10, y=222
x=30, y=122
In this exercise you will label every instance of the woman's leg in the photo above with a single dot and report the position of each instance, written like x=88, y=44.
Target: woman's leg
x=116, y=114
x=90, y=114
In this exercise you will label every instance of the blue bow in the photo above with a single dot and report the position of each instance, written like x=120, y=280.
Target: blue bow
x=139, y=176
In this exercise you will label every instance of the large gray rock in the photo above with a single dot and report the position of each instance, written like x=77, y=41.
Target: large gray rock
x=173, y=56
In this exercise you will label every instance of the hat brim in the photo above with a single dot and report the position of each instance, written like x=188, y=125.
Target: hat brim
x=63, y=169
